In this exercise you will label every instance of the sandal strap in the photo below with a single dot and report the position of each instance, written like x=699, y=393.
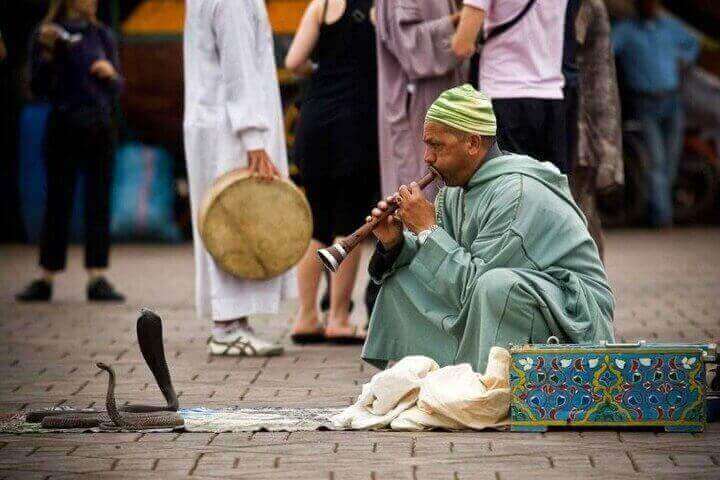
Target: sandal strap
x=242, y=344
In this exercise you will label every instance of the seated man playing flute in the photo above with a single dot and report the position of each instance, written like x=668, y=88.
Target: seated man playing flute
x=503, y=256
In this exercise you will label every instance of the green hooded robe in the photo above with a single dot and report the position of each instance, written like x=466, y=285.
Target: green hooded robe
x=512, y=262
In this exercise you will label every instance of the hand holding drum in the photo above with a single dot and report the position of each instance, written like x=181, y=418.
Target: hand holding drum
x=333, y=256
x=260, y=164
x=254, y=223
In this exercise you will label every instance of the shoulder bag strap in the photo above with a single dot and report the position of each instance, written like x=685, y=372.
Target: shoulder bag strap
x=504, y=27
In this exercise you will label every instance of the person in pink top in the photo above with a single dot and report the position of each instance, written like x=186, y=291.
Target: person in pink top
x=521, y=71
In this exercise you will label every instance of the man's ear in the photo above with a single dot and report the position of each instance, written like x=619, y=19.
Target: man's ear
x=475, y=144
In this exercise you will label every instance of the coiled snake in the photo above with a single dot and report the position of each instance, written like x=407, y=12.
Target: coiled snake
x=134, y=420
x=129, y=417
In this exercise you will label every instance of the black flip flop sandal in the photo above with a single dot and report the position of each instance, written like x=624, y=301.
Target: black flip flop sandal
x=309, y=338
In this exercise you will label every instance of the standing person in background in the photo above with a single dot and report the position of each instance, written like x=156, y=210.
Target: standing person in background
x=3, y=49
x=571, y=90
x=233, y=119
x=415, y=65
x=521, y=71
x=599, y=164
x=74, y=66
x=651, y=50
x=337, y=151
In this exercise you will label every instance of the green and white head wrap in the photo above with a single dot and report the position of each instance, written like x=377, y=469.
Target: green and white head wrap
x=465, y=109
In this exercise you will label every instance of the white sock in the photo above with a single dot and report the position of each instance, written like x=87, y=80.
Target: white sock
x=221, y=330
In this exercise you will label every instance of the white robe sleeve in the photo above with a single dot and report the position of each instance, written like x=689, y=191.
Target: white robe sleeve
x=236, y=38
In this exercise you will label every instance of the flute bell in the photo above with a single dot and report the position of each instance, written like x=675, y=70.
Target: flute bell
x=332, y=256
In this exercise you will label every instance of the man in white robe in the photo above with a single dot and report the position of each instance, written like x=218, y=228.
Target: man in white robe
x=233, y=119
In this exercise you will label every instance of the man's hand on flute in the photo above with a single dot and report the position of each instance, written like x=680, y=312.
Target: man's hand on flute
x=414, y=210
x=388, y=231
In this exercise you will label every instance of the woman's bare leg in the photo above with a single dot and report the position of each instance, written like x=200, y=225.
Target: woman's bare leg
x=342, y=284
x=309, y=274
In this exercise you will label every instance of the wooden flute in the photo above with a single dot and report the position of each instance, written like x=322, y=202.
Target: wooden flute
x=334, y=255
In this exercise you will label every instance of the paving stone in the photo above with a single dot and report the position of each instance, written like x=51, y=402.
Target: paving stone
x=134, y=464
x=22, y=475
x=666, y=287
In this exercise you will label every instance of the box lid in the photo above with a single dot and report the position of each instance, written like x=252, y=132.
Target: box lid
x=708, y=350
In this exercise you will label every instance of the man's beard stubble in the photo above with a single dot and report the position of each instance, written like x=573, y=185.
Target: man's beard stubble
x=438, y=175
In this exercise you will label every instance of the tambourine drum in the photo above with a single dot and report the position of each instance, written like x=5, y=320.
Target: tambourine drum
x=255, y=229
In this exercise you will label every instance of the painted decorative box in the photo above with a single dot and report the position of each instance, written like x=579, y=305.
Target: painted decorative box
x=609, y=385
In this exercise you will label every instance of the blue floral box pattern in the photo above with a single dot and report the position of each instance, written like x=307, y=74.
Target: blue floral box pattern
x=640, y=385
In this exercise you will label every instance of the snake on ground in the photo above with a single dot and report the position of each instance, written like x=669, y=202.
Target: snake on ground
x=134, y=420
x=136, y=417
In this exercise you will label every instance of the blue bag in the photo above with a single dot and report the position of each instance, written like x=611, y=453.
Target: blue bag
x=32, y=179
x=142, y=197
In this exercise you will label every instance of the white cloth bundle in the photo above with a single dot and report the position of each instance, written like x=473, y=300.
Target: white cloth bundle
x=415, y=394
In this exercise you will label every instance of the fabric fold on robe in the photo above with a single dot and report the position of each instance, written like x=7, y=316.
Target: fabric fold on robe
x=415, y=394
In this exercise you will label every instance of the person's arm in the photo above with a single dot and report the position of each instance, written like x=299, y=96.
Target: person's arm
x=245, y=89
x=452, y=271
x=471, y=22
x=421, y=46
x=115, y=80
x=384, y=262
x=688, y=45
x=42, y=69
x=297, y=59
x=601, y=107
x=114, y=58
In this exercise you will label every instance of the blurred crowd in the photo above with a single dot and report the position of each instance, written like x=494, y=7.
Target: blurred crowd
x=549, y=68
x=373, y=69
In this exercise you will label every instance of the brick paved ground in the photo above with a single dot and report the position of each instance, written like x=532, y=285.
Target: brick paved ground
x=668, y=288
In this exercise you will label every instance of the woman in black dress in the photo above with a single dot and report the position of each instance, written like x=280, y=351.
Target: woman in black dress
x=336, y=149
x=74, y=66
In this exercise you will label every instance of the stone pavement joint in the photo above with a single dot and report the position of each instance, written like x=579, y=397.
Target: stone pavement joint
x=667, y=288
